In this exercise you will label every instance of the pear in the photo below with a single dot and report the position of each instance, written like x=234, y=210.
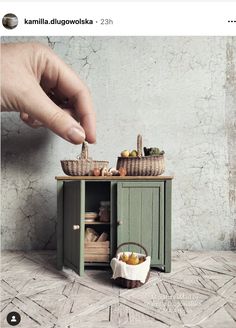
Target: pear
x=133, y=259
x=124, y=257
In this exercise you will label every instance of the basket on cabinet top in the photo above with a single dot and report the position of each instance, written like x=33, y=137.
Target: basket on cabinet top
x=152, y=165
x=83, y=165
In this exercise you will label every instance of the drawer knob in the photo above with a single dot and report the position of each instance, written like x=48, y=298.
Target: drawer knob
x=120, y=222
x=76, y=227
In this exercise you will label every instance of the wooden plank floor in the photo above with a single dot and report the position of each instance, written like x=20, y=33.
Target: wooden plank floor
x=199, y=292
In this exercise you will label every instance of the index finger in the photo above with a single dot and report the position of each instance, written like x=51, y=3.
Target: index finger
x=58, y=75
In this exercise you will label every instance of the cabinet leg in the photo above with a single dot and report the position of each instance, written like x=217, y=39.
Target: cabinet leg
x=167, y=267
x=59, y=266
x=168, y=226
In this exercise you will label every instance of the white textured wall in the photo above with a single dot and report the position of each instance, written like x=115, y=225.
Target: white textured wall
x=179, y=92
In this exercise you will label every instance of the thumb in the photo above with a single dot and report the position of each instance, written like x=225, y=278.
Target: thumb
x=40, y=107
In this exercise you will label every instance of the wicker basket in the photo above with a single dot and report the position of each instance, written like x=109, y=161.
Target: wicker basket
x=127, y=283
x=142, y=165
x=83, y=165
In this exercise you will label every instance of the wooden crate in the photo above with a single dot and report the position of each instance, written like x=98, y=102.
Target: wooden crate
x=97, y=251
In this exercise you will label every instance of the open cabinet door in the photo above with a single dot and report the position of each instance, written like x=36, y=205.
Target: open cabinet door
x=140, y=214
x=74, y=193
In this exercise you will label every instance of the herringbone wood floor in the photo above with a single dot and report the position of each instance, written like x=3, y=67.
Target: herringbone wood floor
x=199, y=292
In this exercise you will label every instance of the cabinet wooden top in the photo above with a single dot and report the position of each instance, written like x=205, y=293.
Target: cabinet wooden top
x=159, y=177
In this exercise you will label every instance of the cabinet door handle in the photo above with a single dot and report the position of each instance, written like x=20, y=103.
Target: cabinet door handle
x=120, y=222
x=76, y=227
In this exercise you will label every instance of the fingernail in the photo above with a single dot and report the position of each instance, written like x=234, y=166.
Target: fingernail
x=75, y=135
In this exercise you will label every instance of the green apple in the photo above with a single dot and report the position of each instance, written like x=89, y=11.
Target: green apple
x=133, y=153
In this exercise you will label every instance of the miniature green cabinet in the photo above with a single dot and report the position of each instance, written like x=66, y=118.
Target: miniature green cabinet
x=140, y=212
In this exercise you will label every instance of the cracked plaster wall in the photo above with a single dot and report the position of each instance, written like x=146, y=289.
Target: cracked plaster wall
x=179, y=92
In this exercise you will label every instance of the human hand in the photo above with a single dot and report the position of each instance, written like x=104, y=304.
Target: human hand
x=38, y=84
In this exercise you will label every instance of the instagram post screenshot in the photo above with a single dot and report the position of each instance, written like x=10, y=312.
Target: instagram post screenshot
x=118, y=164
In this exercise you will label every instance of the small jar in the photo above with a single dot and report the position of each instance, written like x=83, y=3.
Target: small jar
x=104, y=211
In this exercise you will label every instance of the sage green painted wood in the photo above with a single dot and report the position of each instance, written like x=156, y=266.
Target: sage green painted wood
x=60, y=224
x=113, y=219
x=69, y=214
x=143, y=206
x=122, y=209
x=168, y=205
x=147, y=218
x=81, y=211
x=70, y=265
x=74, y=215
x=158, y=224
x=141, y=210
x=135, y=217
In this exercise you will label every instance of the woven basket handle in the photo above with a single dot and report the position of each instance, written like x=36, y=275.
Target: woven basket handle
x=84, y=151
x=131, y=243
x=139, y=145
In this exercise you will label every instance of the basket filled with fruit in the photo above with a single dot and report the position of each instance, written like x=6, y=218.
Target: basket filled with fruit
x=84, y=165
x=130, y=270
x=151, y=164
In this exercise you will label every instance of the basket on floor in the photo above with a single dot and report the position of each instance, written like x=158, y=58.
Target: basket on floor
x=124, y=281
x=83, y=165
x=152, y=165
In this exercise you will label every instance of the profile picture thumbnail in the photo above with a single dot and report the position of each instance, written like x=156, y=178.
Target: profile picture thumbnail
x=10, y=21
